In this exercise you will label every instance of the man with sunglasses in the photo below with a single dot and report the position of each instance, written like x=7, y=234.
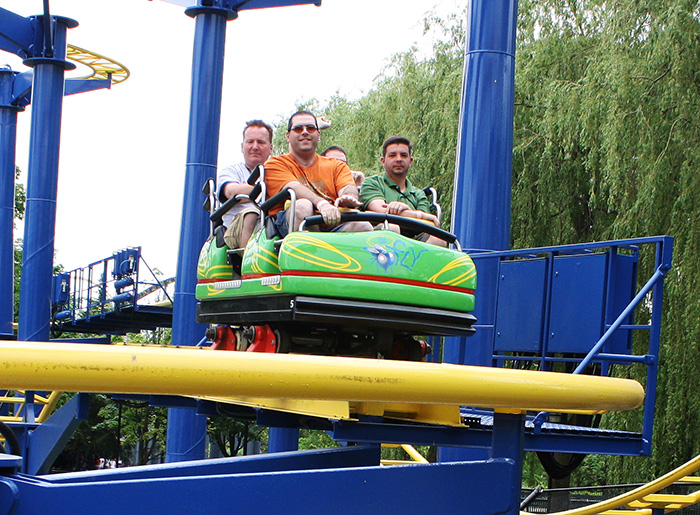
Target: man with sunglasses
x=321, y=184
x=241, y=219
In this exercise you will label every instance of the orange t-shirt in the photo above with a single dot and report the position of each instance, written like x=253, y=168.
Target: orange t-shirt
x=328, y=176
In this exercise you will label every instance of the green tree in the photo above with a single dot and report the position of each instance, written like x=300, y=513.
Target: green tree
x=232, y=436
x=132, y=431
x=90, y=440
x=315, y=439
x=17, y=275
x=18, y=214
x=20, y=198
x=606, y=146
x=138, y=430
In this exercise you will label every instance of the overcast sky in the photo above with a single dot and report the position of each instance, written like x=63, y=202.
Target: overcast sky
x=122, y=158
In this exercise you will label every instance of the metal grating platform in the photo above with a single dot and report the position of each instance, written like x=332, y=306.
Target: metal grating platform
x=126, y=320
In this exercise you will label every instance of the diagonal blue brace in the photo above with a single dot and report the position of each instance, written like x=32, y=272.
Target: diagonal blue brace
x=48, y=439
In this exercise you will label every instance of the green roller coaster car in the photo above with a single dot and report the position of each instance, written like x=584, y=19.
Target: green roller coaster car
x=336, y=292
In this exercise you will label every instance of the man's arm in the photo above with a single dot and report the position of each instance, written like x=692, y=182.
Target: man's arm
x=232, y=189
x=329, y=212
x=348, y=196
x=358, y=177
x=401, y=209
x=304, y=192
x=421, y=215
x=378, y=205
x=232, y=180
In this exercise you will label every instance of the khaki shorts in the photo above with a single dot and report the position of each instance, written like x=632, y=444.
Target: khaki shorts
x=232, y=235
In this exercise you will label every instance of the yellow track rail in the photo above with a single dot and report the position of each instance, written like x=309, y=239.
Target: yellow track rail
x=202, y=372
x=102, y=67
x=642, y=500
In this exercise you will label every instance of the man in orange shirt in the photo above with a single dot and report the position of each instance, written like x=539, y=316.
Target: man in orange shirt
x=320, y=183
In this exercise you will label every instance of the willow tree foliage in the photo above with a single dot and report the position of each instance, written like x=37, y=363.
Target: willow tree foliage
x=607, y=146
x=416, y=96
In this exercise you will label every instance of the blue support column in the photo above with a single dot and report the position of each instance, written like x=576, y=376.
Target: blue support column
x=482, y=187
x=508, y=442
x=186, y=429
x=8, y=138
x=283, y=439
x=49, y=66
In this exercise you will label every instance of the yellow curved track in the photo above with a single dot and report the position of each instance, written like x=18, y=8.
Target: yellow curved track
x=45, y=405
x=102, y=67
x=642, y=500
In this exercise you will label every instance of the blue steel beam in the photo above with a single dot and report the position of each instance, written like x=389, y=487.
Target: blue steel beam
x=75, y=86
x=233, y=6
x=482, y=188
x=8, y=137
x=482, y=184
x=338, y=457
x=41, y=41
x=48, y=439
x=508, y=435
x=241, y=5
x=417, y=489
x=460, y=438
x=16, y=33
x=22, y=88
x=185, y=429
x=15, y=94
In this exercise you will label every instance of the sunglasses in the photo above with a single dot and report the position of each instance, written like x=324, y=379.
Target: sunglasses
x=298, y=129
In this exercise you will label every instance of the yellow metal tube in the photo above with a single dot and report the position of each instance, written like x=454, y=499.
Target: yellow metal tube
x=190, y=371
x=413, y=453
x=47, y=410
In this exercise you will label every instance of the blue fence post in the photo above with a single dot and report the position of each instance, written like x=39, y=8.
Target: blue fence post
x=49, y=65
x=8, y=139
x=186, y=429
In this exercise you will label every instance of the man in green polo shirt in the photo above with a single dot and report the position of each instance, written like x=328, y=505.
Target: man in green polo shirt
x=393, y=193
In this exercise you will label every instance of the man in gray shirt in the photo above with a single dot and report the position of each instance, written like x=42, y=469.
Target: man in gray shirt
x=240, y=220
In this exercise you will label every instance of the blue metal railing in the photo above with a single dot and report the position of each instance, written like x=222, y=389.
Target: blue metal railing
x=612, y=312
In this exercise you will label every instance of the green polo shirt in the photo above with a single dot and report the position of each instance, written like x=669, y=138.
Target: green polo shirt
x=381, y=187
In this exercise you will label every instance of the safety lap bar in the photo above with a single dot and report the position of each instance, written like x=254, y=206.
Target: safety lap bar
x=403, y=222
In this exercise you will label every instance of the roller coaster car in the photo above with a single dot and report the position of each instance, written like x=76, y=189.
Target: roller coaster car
x=332, y=293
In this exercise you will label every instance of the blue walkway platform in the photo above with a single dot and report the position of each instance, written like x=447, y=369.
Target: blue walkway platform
x=116, y=295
